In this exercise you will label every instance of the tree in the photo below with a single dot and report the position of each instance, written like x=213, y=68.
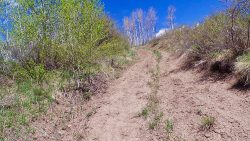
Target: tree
x=171, y=16
x=134, y=27
x=139, y=28
x=128, y=29
x=151, y=23
x=140, y=20
x=60, y=33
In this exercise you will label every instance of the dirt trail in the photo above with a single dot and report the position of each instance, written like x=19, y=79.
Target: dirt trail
x=116, y=120
x=183, y=97
x=111, y=116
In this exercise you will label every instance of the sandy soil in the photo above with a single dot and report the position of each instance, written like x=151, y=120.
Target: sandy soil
x=184, y=98
x=117, y=120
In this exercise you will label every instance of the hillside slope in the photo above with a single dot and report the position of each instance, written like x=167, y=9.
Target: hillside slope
x=183, y=98
x=188, y=98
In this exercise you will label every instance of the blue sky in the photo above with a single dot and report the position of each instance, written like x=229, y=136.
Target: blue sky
x=188, y=12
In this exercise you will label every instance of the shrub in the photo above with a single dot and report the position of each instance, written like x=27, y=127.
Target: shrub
x=207, y=122
x=175, y=40
x=82, y=38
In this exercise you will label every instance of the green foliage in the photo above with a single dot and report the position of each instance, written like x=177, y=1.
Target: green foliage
x=29, y=71
x=73, y=35
x=53, y=44
x=36, y=72
x=211, y=36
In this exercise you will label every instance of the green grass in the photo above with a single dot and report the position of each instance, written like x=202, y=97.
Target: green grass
x=29, y=98
x=169, y=126
x=153, y=101
x=155, y=121
x=33, y=95
x=144, y=113
x=157, y=55
x=207, y=122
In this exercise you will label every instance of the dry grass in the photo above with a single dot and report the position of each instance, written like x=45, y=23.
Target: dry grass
x=243, y=69
x=207, y=122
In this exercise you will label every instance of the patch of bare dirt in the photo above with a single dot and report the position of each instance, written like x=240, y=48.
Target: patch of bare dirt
x=186, y=98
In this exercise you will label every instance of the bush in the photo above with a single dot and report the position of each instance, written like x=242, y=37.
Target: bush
x=243, y=68
x=177, y=40
x=209, y=37
x=82, y=38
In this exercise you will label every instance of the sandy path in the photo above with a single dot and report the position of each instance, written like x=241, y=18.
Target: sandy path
x=183, y=94
x=116, y=120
